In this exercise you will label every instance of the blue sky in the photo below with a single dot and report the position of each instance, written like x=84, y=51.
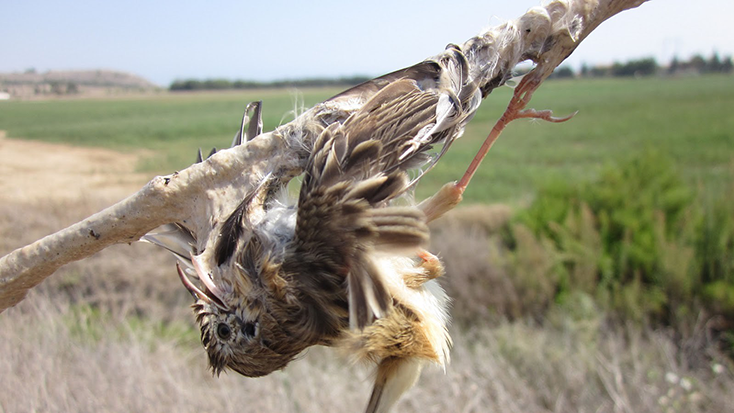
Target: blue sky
x=266, y=40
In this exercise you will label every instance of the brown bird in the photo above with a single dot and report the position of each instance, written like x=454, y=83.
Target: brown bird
x=343, y=265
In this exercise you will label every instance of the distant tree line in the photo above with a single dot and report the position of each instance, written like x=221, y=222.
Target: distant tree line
x=637, y=67
x=225, y=84
x=649, y=66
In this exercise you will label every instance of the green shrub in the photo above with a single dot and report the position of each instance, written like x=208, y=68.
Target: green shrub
x=637, y=239
x=715, y=241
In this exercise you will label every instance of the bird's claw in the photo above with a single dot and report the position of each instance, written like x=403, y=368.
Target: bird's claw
x=546, y=115
x=431, y=264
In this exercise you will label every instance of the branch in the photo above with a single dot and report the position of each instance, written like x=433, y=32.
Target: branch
x=190, y=196
x=203, y=193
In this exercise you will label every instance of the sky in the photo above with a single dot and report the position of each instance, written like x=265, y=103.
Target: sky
x=167, y=40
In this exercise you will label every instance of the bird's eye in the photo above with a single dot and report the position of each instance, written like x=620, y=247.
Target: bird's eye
x=223, y=331
x=250, y=329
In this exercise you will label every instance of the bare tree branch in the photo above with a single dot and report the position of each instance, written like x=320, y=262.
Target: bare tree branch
x=200, y=194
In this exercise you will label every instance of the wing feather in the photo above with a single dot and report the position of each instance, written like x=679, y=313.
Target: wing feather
x=358, y=167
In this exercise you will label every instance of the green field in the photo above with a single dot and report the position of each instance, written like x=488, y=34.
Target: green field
x=687, y=119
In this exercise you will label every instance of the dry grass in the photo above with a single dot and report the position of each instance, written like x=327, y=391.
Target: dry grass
x=114, y=333
x=486, y=279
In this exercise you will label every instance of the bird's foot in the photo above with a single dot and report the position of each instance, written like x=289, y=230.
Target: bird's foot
x=432, y=268
x=431, y=264
x=546, y=115
x=515, y=110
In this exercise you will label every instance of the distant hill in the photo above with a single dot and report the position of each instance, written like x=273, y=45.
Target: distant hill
x=30, y=83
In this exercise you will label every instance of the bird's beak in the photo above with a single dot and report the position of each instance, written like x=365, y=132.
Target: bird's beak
x=210, y=297
x=206, y=278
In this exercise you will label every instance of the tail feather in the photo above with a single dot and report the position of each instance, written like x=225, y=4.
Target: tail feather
x=394, y=377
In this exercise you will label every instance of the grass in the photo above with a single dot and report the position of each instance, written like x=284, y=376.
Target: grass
x=172, y=125
x=510, y=367
x=111, y=333
x=114, y=333
x=687, y=119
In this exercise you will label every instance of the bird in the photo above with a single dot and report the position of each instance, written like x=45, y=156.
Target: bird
x=344, y=264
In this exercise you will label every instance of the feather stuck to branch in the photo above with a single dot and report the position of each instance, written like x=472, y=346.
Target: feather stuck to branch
x=213, y=188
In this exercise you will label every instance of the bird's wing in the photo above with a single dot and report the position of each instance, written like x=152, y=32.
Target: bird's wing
x=414, y=109
x=342, y=214
x=340, y=224
x=425, y=72
x=357, y=167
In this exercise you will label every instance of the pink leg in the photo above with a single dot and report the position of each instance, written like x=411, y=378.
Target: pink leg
x=515, y=110
x=451, y=194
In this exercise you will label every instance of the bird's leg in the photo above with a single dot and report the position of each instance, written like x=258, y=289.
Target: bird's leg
x=432, y=268
x=395, y=375
x=441, y=202
x=515, y=110
x=451, y=194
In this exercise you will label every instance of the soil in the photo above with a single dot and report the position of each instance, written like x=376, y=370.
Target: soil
x=37, y=171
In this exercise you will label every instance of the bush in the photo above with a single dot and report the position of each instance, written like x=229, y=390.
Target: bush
x=636, y=239
x=641, y=67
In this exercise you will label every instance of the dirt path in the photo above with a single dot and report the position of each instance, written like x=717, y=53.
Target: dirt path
x=37, y=171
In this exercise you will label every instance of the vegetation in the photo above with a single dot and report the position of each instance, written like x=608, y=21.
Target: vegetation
x=115, y=333
x=687, y=119
x=604, y=283
x=173, y=126
x=636, y=67
x=638, y=242
x=649, y=66
x=224, y=84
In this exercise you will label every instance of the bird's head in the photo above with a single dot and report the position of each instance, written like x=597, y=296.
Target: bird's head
x=239, y=328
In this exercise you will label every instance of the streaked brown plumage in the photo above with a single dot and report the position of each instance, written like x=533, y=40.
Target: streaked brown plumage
x=343, y=267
